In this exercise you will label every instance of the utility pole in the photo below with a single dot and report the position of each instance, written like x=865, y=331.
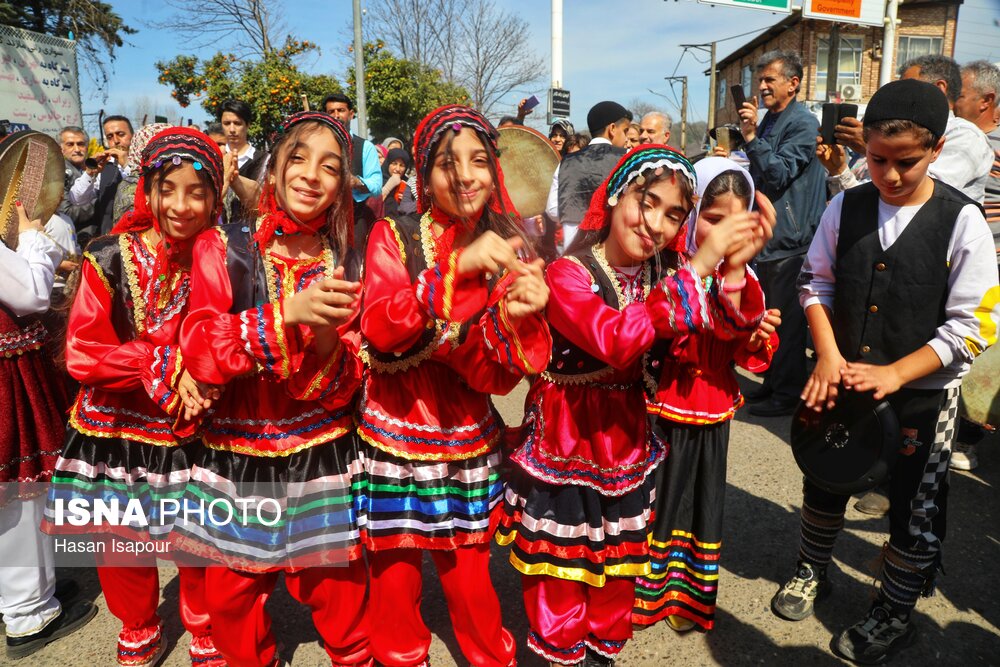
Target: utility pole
x=557, y=43
x=710, y=48
x=684, y=108
x=888, y=43
x=359, y=73
x=833, y=63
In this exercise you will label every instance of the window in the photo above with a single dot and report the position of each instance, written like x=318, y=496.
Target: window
x=914, y=47
x=747, y=76
x=849, y=69
x=720, y=93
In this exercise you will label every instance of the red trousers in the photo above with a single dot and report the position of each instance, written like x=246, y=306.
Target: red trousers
x=242, y=627
x=133, y=594
x=399, y=636
x=568, y=617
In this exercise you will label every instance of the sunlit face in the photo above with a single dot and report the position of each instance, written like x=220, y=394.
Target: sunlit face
x=74, y=148
x=182, y=203
x=395, y=143
x=219, y=139
x=898, y=164
x=341, y=112
x=971, y=103
x=651, y=131
x=642, y=225
x=235, y=129
x=311, y=176
x=631, y=138
x=117, y=134
x=558, y=138
x=397, y=168
x=723, y=206
x=461, y=181
x=776, y=90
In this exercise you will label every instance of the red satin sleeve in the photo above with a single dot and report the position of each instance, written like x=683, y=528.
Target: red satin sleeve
x=219, y=345
x=396, y=310
x=332, y=381
x=616, y=337
x=732, y=322
x=759, y=361
x=96, y=357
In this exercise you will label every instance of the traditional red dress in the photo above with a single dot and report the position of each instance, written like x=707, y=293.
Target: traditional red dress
x=438, y=344
x=283, y=430
x=696, y=397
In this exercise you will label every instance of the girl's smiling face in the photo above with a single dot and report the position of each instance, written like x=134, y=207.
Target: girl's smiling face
x=461, y=180
x=644, y=222
x=311, y=176
x=182, y=202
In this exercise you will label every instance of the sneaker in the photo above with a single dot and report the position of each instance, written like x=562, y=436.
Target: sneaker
x=796, y=598
x=873, y=503
x=69, y=620
x=876, y=638
x=963, y=457
x=679, y=623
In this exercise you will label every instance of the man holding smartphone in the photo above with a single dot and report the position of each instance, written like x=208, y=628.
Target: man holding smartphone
x=782, y=154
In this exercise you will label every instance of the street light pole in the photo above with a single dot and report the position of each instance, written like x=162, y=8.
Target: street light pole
x=359, y=73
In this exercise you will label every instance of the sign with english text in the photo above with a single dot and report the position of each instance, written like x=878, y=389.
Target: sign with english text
x=862, y=12
x=38, y=81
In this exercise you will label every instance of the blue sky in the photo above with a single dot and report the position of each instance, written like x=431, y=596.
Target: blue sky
x=618, y=51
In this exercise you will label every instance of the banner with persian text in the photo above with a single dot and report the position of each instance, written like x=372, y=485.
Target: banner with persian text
x=38, y=80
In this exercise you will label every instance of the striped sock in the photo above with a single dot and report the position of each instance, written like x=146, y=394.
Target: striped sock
x=819, y=532
x=905, y=575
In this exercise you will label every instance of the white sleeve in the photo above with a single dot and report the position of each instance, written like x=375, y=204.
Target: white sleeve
x=972, y=309
x=61, y=230
x=817, y=283
x=84, y=190
x=26, y=276
x=552, y=203
x=965, y=161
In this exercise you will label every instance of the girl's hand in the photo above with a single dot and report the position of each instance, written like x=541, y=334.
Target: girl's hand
x=489, y=253
x=331, y=301
x=724, y=238
x=758, y=238
x=883, y=380
x=25, y=225
x=196, y=396
x=767, y=326
x=824, y=384
x=528, y=293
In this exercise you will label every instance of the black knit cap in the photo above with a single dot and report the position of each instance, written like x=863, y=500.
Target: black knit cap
x=603, y=114
x=917, y=101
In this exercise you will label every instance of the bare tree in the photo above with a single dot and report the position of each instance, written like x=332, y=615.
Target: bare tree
x=472, y=42
x=640, y=107
x=253, y=27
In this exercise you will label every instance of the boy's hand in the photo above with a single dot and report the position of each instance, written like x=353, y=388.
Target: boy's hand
x=883, y=380
x=821, y=390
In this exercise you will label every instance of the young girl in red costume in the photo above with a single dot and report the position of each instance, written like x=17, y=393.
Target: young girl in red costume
x=695, y=399
x=451, y=315
x=273, y=318
x=578, y=503
x=127, y=435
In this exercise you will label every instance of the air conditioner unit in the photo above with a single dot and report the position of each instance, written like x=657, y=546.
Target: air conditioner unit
x=850, y=92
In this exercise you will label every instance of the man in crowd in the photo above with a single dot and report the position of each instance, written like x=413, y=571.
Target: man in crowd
x=782, y=154
x=366, y=174
x=580, y=174
x=97, y=185
x=73, y=141
x=235, y=117
x=655, y=128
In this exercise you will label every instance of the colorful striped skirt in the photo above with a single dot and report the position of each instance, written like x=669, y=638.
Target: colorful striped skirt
x=573, y=531
x=430, y=504
x=256, y=513
x=686, y=537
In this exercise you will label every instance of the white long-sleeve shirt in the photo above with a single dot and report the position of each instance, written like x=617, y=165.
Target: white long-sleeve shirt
x=964, y=162
x=26, y=275
x=972, y=308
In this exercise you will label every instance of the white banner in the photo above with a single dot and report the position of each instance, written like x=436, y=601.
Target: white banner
x=38, y=82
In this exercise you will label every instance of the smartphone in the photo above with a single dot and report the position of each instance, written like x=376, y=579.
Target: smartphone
x=530, y=103
x=829, y=124
x=739, y=97
x=846, y=111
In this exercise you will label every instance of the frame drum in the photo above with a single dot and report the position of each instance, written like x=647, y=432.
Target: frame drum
x=979, y=401
x=32, y=171
x=528, y=161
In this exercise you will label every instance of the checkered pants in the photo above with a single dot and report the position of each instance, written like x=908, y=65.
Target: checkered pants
x=918, y=494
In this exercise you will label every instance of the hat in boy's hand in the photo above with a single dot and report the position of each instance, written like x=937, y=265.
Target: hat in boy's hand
x=910, y=99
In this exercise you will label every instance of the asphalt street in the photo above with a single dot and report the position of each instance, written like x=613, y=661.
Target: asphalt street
x=959, y=625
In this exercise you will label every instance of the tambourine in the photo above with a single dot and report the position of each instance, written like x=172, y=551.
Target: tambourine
x=32, y=171
x=850, y=448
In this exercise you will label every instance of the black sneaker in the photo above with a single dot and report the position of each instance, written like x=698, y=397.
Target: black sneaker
x=69, y=620
x=874, y=639
x=796, y=598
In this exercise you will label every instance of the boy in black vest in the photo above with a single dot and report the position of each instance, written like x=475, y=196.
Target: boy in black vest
x=897, y=280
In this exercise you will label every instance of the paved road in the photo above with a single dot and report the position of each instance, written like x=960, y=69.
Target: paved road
x=960, y=625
